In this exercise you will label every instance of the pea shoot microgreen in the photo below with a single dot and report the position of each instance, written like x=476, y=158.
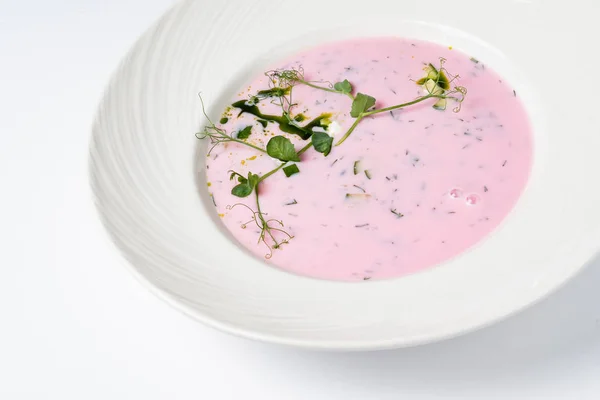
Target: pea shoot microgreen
x=322, y=142
x=437, y=83
x=361, y=104
x=343, y=87
x=246, y=185
x=281, y=148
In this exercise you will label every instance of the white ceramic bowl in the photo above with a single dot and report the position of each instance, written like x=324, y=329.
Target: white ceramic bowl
x=147, y=172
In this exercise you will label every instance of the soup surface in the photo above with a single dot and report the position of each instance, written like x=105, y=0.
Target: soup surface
x=407, y=190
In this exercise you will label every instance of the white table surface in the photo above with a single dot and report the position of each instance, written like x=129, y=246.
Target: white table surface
x=74, y=323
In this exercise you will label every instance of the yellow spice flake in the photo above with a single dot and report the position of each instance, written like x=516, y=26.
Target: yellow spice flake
x=243, y=162
x=208, y=184
x=221, y=215
x=449, y=47
x=252, y=158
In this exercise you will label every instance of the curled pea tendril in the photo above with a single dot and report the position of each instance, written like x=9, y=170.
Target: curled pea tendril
x=268, y=229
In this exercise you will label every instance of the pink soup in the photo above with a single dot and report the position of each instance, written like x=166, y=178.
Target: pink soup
x=408, y=190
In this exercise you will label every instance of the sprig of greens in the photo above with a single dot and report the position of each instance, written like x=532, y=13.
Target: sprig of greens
x=437, y=84
x=246, y=185
x=361, y=104
x=218, y=135
x=268, y=228
x=292, y=77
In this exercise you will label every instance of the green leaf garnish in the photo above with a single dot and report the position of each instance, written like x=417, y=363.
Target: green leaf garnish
x=246, y=185
x=253, y=180
x=223, y=120
x=290, y=170
x=322, y=142
x=241, y=179
x=245, y=133
x=344, y=86
x=241, y=190
x=362, y=102
x=281, y=148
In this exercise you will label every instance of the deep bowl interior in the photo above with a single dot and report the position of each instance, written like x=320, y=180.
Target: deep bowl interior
x=147, y=169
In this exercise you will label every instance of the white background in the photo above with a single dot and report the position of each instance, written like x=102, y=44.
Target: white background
x=74, y=324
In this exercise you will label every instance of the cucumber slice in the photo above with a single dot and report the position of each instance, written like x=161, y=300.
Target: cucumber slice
x=356, y=166
x=438, y=77
x=440, y=104
x=431, y=73
x=432, y=87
